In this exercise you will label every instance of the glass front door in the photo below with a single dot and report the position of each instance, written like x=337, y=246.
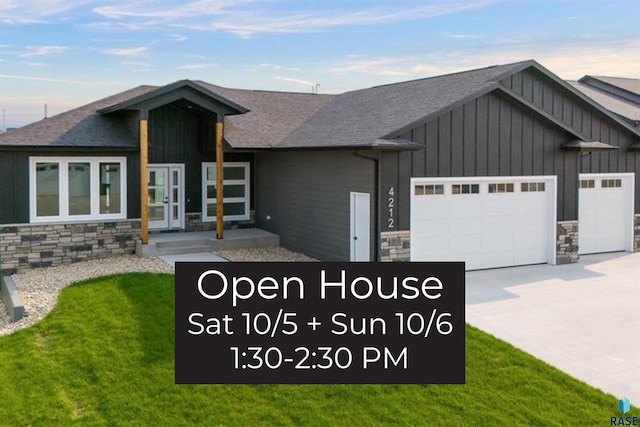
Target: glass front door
x=166, y=197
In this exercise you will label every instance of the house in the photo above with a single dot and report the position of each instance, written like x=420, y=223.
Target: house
x=499, y=166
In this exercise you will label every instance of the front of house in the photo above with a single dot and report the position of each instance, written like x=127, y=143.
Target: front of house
x=506, y=165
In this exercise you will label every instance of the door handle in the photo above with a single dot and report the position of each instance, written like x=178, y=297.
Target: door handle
x=166, y=200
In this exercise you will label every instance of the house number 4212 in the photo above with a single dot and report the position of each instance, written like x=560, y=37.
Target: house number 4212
x=391, y=205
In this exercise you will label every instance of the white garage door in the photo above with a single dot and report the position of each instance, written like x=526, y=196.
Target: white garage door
x=605, y=213
x=485, y=222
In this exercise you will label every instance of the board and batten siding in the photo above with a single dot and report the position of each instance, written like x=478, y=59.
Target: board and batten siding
x=488, y=136
x=569, y=108
x=306, y=194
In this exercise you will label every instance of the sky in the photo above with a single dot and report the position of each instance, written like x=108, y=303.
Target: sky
x=66, y=53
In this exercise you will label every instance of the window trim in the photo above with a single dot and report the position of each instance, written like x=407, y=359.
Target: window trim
x=246, y=199
x=63, y=188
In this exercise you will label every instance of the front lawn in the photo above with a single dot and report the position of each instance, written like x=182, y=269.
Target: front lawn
x=104, y=356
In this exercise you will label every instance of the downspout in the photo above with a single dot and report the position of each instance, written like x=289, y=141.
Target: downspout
x=376, y=201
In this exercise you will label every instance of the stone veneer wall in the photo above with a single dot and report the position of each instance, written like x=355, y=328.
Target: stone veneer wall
x=567, y=242
x=27, y=246
x=636, y=234
x=193, y=222
x=395, y=246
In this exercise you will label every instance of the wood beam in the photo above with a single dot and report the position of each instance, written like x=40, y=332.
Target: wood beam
x=144, y=181
x=219, y=179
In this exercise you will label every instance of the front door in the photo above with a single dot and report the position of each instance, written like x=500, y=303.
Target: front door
x=166, y=197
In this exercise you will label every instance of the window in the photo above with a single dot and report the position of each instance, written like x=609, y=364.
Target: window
x=77, y=188
x=532, y=187
x=235, y=191
x=587, y=183
x=465, y=189
x=506, y=187
x=611, y=183
x=429, y=189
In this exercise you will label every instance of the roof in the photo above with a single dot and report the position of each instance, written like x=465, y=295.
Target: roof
x=271, y=117
x=80, y=127
x=618, y=95
x=360, y=117
x=376, y=117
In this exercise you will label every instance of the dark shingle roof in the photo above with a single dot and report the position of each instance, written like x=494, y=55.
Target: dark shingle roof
x=361, y=117
x=80, y=127
x=271, y=117
x=625, y=83
x=611, y=102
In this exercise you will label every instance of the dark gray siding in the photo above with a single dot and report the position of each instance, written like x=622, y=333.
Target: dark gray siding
x=14, y=187
x=488, y=136
x=568, y=107
x=306, y=193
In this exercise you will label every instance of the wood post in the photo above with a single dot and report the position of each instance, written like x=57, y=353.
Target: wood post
x=219, y=179
x=144, y=182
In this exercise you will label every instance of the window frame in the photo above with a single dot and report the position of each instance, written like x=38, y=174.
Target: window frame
x=247, y=194
x=63, y=188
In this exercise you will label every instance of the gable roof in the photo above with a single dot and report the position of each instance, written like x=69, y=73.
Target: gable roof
x=375, y=117
x=169, y=93
x=358, y=118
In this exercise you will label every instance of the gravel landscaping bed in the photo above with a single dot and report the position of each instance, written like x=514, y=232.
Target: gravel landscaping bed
x=263, y=254
x=39, y=288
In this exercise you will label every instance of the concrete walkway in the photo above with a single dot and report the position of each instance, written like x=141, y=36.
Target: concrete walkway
x=582, y=318
x=197, y=257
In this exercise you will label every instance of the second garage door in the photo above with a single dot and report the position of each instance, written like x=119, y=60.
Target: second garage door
x=605, y=213
x=485, y=222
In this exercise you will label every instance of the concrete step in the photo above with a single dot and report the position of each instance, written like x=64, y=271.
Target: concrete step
x=199, y=242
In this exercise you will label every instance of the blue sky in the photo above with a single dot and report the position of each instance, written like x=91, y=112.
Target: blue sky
x=65, y=53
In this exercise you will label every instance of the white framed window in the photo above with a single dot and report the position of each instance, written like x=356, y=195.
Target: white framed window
x=236, y=188
x=77, y=188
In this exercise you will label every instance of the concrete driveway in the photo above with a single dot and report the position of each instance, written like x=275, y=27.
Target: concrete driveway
x=582, y=318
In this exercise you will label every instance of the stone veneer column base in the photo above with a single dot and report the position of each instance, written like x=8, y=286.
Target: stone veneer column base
x=395, y=246
x=567, y=242
x=193, y=222
x=636, y=234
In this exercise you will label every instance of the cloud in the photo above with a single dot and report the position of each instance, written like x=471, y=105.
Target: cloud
x=197, y=66
x=295, y=80
x=41, y=79
x=570, y=59
x=33, y=11
x=246, y=18
x=42, y=50
x=134, y=51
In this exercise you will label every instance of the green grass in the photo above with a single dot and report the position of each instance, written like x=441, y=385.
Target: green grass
x=104, y=356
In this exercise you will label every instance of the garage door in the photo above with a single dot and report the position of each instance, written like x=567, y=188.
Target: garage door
x=605, y=213
x=485, y=222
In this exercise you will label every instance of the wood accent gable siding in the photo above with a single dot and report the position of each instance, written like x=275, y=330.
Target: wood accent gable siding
x=307, y=196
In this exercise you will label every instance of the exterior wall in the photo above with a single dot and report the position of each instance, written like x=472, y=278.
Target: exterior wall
x=568, y=107
x=306, y=195
x=395, y=246
x=636, y=234
x=567, y=242
x=27, y=246
x=488, y=136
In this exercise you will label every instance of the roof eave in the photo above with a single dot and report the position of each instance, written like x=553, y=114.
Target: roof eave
x=587, y=146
